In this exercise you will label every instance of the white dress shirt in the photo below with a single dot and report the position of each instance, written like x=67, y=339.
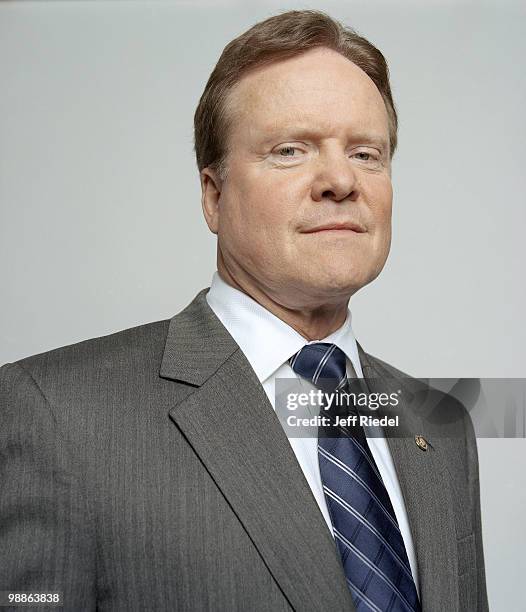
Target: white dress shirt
x=268, y=343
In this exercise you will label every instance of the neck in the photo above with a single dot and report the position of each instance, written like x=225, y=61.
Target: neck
x=312, y=323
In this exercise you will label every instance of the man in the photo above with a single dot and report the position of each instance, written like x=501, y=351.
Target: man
x=147, y=470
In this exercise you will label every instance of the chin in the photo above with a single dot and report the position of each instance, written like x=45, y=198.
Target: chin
x=339, y=285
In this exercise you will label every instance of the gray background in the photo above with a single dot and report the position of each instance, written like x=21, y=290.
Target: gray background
x=100, y=219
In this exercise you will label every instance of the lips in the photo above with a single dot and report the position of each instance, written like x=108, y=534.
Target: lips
x=349, y=226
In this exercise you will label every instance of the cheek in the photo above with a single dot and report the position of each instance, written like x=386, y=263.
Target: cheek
x=385, y=214
x=381, y=198
x=262, y=205
x=251, y=221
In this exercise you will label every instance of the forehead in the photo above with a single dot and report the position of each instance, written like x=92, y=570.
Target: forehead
x=319, y=86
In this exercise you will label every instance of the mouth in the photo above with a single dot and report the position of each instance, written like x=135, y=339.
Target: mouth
x=344, y=228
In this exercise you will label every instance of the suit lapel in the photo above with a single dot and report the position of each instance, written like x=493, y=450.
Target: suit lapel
x=425, y=488
x=232, y=426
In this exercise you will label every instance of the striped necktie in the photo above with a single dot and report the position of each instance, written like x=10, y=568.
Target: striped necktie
x=365, y=528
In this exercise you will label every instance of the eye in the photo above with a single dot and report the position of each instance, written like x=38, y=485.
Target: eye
x=287, y=151
x=364, y=156
x=371, y=159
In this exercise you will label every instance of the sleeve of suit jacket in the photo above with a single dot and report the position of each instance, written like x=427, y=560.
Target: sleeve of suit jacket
x=46, y=535
x=482, y=598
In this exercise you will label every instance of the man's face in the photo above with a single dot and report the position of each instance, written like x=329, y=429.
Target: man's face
x=308, y=147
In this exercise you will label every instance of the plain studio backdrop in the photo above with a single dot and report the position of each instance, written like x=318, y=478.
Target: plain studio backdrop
x=101, y=224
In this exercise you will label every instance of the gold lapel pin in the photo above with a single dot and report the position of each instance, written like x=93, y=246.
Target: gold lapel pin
x=421, y=442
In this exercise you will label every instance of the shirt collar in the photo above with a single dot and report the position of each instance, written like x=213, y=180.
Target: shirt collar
x=266, y=340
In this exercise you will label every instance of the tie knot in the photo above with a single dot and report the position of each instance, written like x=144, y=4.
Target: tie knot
x=322, y=363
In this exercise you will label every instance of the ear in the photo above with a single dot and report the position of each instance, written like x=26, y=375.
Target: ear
x=210, y=194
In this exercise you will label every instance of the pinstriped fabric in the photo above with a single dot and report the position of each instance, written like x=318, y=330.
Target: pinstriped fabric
x=364, y=523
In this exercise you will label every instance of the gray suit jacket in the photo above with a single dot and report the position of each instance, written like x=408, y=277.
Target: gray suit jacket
x=147, y=470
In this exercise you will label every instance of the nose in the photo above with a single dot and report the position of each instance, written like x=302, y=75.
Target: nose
x=335, y=179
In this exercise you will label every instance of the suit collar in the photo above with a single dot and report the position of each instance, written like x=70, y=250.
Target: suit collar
x=197, y=344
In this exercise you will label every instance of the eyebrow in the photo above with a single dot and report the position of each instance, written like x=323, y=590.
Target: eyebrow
x=299, y=133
